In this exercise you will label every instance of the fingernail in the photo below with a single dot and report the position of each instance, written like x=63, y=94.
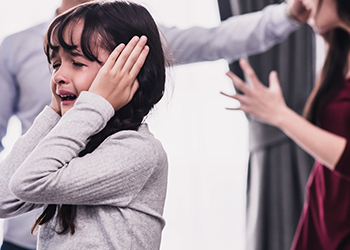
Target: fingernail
x=136, y=38
x=143, y=38
x=121, y=46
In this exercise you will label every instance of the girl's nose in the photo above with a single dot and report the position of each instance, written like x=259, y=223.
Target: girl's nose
x=60, y=76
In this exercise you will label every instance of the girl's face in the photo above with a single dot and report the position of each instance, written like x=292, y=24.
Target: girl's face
x=72, y=71
x=324, y=16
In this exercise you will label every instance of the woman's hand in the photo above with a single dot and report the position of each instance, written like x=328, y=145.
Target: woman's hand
x=267, y=105
x=116, y=80
x=56, y=101
x=264, y=103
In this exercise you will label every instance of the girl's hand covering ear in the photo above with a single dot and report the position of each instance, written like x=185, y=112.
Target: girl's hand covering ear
x=264, y=103
x=116, y=80
x=56, y=101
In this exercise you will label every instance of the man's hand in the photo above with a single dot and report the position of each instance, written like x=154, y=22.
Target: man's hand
x=297, y=10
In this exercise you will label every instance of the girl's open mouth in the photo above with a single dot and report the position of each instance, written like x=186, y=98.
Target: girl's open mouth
x=68, y=97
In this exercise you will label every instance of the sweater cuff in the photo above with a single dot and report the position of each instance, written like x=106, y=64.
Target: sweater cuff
x=97, y=102
x=45, y=121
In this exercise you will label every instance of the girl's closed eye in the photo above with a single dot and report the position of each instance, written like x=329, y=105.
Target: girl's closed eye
x=78, y=64
x=55, y=65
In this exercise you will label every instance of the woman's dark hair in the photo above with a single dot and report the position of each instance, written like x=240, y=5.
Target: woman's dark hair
x=107, y=24
x=336, y=65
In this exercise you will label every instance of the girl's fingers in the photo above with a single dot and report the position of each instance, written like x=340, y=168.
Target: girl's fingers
x=119, y=64
x=114, y=56
x=134, y=88
x=130, y=54
x=136, y=67
x=137, y=52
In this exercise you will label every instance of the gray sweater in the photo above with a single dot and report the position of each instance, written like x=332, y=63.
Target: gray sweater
x=119, y=188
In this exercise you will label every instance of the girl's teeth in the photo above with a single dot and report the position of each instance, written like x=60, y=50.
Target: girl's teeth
x=68, y=97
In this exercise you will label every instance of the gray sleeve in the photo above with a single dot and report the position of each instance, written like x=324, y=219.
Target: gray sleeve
x=111, y=175
x=11, y=205
x=235, y=37
x=8, y=89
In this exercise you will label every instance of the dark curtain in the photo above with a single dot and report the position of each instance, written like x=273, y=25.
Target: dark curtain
x=278, y=169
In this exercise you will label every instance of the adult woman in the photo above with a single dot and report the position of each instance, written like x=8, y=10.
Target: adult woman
x=97, y=169
x=325, y=220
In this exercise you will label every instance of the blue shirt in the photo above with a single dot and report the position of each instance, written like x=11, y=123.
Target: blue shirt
x=25, y=90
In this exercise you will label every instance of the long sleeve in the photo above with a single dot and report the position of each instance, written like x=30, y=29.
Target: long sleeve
x=235, y=37
x=8, y=91
x=10, y=205
x=113, y=174
x=24, y=76
x=24, y=92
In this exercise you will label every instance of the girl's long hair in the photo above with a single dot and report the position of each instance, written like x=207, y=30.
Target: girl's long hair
x=107, y=24
x=335, y=68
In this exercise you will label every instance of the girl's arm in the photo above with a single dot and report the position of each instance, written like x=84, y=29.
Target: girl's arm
x=10, y=205
x=267, y=105
x=112, y=174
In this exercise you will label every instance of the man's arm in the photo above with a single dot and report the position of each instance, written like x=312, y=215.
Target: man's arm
x=8, y=91
x=235, y=37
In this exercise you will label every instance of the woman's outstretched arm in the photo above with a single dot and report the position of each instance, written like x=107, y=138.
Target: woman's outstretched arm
x=267, y=105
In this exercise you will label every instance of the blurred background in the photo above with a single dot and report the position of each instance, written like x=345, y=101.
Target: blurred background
x=207, y=145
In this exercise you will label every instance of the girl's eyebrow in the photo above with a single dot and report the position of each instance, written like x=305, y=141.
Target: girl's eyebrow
x=76, y=53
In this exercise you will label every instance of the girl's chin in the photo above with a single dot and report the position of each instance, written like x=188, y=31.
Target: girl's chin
x=65, y=106
x=63, y=112
x=64, y=109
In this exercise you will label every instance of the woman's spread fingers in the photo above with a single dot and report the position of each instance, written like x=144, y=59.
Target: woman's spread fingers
x=238, y=97
x=250, y=73
x=234, y=108
x=238, y=83
x=139, y=62
x=231, y=96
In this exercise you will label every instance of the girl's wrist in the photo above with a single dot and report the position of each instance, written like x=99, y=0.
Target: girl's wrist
x=54, y=108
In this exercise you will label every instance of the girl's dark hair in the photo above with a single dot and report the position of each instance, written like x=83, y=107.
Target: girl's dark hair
x=107, y=24
x=336, y=64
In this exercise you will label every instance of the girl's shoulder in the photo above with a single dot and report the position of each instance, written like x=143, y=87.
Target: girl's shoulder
x=141, y=140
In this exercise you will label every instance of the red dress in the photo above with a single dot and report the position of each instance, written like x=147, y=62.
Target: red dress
x=325, y=220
